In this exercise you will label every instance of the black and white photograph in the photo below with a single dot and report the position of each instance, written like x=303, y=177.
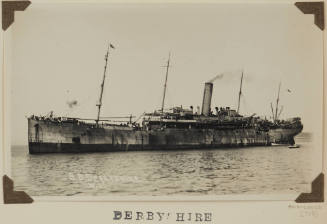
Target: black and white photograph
x=164, y=100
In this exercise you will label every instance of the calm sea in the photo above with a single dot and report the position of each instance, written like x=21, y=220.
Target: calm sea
x=254, y=170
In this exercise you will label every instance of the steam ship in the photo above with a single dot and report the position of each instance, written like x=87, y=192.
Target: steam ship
x=164, y=129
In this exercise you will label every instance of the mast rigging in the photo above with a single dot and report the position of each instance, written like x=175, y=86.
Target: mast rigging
x=277, y=101
x=280, y=112
x=165, y=85
x=102, y=84
x=272, y=112
x=240, y=93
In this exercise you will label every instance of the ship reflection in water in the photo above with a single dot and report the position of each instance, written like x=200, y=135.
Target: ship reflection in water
x=254, y=170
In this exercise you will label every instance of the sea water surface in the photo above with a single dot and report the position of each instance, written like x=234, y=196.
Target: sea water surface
x=251, y=170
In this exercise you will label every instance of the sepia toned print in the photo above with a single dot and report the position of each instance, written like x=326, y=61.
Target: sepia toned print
x=185, y=101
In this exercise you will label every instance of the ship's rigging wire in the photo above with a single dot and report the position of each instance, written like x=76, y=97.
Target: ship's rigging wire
x=272, y=111
x=170, y=100
x=139, y=117
x=280, y=112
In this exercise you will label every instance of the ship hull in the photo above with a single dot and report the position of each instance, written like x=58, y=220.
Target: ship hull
x=42, y=147
x=284, y=135
x=53, y=137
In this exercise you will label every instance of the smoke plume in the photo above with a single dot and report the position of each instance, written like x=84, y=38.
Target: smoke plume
x=72, y=103
x=219, y=76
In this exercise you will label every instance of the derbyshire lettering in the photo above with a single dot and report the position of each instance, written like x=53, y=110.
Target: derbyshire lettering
x=159, y=216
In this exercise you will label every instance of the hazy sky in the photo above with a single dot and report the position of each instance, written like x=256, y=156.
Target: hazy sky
x=58, y=55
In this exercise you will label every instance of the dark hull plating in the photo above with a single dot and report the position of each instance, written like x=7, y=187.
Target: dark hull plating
x=41, y=147
x=51, y=137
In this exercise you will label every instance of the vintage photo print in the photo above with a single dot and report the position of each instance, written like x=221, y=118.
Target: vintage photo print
x=169, y=101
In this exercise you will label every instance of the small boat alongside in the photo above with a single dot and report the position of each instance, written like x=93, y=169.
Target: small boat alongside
x=293, y=146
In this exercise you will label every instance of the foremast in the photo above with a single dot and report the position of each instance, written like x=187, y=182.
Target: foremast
x=99, y=104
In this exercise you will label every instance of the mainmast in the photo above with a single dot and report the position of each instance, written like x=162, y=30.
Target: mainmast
x=280, y=111
x=239, y=94
x=102, y=84
x=277, y=101
x=272, y=112
x=165, y=85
